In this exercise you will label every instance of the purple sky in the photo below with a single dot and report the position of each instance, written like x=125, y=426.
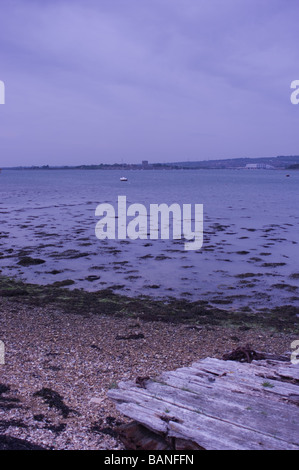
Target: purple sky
x=94, y=81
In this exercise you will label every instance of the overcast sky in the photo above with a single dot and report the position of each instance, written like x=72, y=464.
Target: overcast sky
x=91, y=81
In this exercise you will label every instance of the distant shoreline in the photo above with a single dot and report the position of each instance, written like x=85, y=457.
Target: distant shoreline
x=275, y=163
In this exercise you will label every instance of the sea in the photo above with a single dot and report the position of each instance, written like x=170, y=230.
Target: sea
x=250, y=252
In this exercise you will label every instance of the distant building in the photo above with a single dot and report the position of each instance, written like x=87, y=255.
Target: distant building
x=144, y=163
x=258, y=166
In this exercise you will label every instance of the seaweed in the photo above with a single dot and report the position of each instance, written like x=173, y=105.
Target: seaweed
x=28, y=261
x=12, y=443
x=172, y=310
x=54, y=400
x=243, y=354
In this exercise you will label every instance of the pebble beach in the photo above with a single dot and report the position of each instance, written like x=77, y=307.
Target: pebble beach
x=59, y=367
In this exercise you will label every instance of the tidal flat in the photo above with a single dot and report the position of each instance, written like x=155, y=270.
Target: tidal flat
x=251, y=225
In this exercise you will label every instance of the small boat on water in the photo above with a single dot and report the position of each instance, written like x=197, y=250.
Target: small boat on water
x=123, y=178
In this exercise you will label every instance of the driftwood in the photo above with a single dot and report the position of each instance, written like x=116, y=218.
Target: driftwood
x=214, y=405
x=243, y=354
x=247, y=354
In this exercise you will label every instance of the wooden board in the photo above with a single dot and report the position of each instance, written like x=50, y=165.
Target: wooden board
x=217, y=405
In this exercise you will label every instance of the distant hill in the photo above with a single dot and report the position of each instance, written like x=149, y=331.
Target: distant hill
x=277, y=162
x=281, y=162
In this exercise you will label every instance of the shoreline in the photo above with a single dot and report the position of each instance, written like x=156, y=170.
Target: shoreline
x=63, y=353
x=170, y=309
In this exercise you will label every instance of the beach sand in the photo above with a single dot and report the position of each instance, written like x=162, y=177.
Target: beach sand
x=59, y=367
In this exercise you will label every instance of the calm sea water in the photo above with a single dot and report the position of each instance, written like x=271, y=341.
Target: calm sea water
x=251, y=225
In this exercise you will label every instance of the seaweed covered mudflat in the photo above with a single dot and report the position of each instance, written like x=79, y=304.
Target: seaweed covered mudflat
x=250, y=236
x=171, y=310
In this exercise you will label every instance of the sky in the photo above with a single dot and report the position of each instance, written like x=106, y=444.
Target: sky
x=111, y=81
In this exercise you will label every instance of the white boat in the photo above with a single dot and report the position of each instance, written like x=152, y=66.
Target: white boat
x=123, y=178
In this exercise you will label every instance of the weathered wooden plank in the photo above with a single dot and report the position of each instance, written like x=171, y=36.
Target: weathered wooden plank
x=238, y=383
x=219, y=367
x=243, y=375
x=276, y=420
x=218, y=405
x=268, y=368
x=144, y=415
x=219, y=438
x=207, y=432
x=284, y=369
x=290, y=372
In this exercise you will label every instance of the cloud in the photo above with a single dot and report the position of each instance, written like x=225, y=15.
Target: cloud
x=159, y=79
